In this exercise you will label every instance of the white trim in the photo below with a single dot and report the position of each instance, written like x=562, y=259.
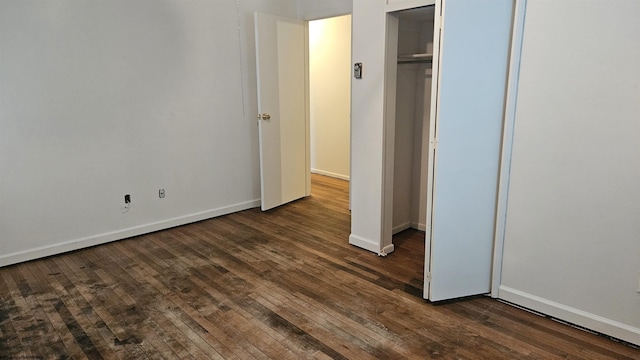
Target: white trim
x=307, y=111
x=389, y=128
x=387, y=250
x=507, y=143
x=103, y=238
x=319, y=14
x=418, y=225
x=433, y=139
x=402, y=227
x=330, y=174
x=409, y=225
x=397, y=5
x=572, y=315
x=367, y=244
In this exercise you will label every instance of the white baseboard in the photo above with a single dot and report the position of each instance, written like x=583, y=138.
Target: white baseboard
x=402, y=227
x=330, y=174
x=419, y=226
x=572, y=315
x=76, y=244
x=370, y=245
x=366, y=244
x=387, y=250
x=409, y=224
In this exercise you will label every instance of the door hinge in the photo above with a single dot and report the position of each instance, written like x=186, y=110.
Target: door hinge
x=427, y=277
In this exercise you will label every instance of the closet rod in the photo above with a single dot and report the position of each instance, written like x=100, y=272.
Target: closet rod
x=415, y=58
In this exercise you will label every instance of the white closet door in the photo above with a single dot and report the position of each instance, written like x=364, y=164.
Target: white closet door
x=473, y=60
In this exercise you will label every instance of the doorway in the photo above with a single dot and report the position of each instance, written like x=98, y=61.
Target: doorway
x=302, y=106
x=330, y=96
x=410, y=128
x=464, y=136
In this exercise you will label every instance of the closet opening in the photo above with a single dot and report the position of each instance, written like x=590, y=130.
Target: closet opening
x=453, y=188
x=408, y=129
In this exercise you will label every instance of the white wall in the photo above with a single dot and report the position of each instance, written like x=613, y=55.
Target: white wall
x=413, y=98
x=102, y=99
x=421, y=150
x=406, y=125
x=572, y=241
x=314, y=9
x=330, y=95
x=367, y=122
x=421, y=136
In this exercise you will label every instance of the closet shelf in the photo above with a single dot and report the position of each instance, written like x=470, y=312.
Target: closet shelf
x=415, y=58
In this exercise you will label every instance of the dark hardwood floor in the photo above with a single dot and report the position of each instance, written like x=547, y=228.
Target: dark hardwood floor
x=284, y=284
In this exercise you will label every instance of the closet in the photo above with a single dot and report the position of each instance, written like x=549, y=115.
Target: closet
x=412, y=116
x=433, y=81
x=444, y=100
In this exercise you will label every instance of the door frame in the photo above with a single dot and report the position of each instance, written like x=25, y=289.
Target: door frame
x=389, y=129
x=307, y=106
x=495, y=248
x=507, y=143
x=338, y=174
x=308, y=102
x=307, y=87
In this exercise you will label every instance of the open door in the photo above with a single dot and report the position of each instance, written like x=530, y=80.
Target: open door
x=282, y=97
x=470, y=60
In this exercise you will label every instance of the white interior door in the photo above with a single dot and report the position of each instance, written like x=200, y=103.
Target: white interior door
x=283, y=125
x=470, y=92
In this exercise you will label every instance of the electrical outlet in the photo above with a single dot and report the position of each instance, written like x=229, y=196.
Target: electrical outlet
x=161, y=193
x=127, y=203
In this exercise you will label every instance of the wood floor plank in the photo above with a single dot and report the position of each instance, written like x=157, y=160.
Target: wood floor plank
x=312, y=285
x=163, y=342
x=87, y=334
x=282, y=284
x=331, y=326
x=66, y=285
x=204, y=319
x=257, y=311
x=210, y=277
x=584, y=343
x=160, y=299
x=135, y=297
x=322, y=315
x=20, y=321
x=10, y=340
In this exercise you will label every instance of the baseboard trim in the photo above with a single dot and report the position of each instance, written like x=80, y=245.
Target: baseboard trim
x=419, y=226
x=387, y=250
x=76, y=244
x=366, y=244
x=408, y=225
x=572, y=315
x=330, y=174
x=401, y=227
